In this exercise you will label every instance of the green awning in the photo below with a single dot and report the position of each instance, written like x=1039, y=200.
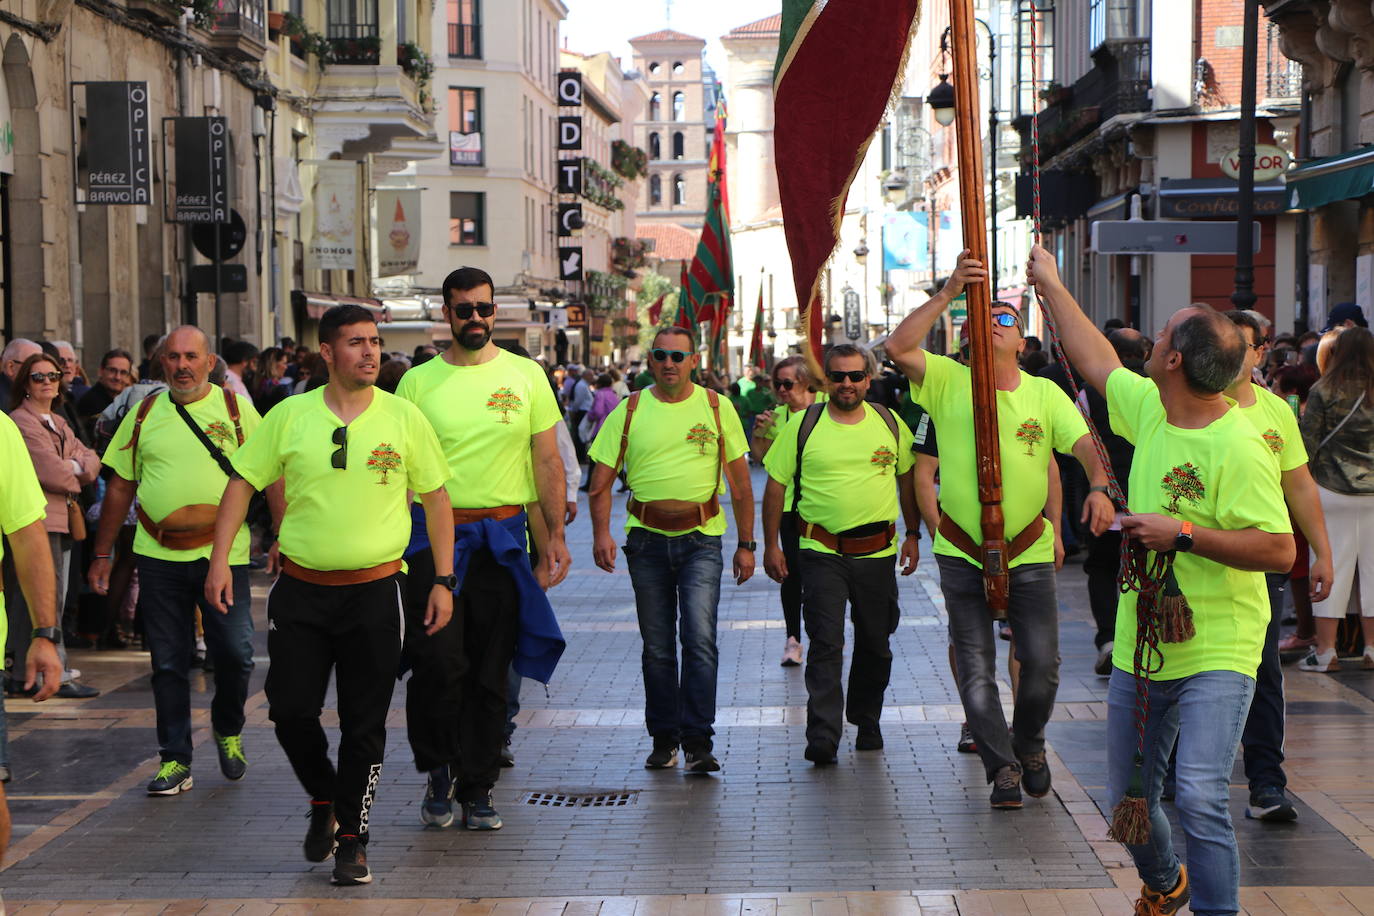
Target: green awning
x=1322, y=181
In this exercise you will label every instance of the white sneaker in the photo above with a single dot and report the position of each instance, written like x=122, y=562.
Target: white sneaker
x=792, y=654
x=1367, y=662
x=1321, y=661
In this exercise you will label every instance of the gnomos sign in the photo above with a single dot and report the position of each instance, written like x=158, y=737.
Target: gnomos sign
x=1270, y=162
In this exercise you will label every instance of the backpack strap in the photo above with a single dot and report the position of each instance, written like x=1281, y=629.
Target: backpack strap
x=889, y=419
x=808, y=423
x=231, y=404
x=144, y=407
x=630, y=404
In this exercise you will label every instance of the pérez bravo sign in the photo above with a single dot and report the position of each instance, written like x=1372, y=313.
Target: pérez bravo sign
x=1270, y=162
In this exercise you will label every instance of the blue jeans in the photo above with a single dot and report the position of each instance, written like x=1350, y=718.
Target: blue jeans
x=169, y=593
x=1204, y=714
x=677, y=588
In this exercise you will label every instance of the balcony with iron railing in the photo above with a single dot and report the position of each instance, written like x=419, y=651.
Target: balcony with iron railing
x=464, y=40
x=1282, y=76
x=1118, y=83
x=240, y=28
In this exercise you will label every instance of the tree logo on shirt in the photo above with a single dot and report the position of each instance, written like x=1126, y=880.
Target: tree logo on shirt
x=701, y=436
x=883, y=458
x=219, y=433
x=1273, y=440
x=1183, y=483
x=504, y=400
x=1031, y=433
x=383, y=460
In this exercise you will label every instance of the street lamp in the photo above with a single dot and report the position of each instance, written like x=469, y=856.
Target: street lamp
x=941, y=99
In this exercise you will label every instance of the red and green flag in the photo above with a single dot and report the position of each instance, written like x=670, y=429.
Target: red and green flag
x=839, y=62
x=756, y=357
x=710, y=279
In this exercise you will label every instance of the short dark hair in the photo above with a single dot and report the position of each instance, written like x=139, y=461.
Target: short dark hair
x=341, y=316
x=681, y=332
x=150, y=341
x=870, y=363
x=1243, y=319
x=1129, y=344
x=466, y=278
x=1111, y=324
x=116, y=353
x=1212, y=349
x=240, y=351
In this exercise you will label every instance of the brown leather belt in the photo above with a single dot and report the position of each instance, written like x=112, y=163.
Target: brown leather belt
x=1019, y=544
x=339, y=576
x=495, y=513
x=182, y=539
x=654, y=515
x=848, y=545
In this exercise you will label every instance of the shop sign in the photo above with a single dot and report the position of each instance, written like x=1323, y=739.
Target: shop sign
x=398, y=232
x=118, y=147
x=1270, y=163
x=334, y=246
x=569, y=89
x=201, y=169
x=6, y=129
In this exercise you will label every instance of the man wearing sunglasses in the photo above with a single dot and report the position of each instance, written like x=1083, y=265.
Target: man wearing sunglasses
x=350, y=455
x=845, y=466
x=1033, y=416
x=675, y=439
x=495, y=416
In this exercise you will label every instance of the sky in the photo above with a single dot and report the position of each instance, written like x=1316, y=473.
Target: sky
x=607, y=25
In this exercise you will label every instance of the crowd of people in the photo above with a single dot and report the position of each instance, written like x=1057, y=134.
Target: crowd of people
x=135, y=508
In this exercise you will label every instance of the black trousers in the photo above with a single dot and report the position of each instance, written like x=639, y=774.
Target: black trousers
x=869, y=587
x=790, y=535
x=356, y=631
x=1102, y=565
x=456, y=697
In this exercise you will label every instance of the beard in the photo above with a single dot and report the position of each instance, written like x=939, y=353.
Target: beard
x=847, y=400
x=474, y=336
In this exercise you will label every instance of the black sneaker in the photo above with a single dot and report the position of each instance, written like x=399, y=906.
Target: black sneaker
x=966, y=743
x=870, y=738
x=319, y=836
x=699, y=759
x=821, y=753
x=663, y=757
x=481, y=815
x=1103, y=665
x=507, y=755
x=172, y=778
x=1269, y=803
x=1006, y=788
x=1035, y=774
x=232, y=763
x=350, y=862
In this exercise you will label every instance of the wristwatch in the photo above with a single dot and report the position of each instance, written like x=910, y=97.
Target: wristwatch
x=450, y=581
x=51, y=634
x=914, y=533
x=750, y=546
x=1184, y=541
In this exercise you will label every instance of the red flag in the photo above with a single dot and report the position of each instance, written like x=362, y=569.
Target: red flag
x=837, y=64
x=656, y=310
x=756, y=358
x=686, y=311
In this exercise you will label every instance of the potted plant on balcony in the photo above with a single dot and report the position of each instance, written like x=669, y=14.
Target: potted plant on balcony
x=361, y=49
x=415, y=63
x=1055, y=93
x=275, y=20
x=304, y=41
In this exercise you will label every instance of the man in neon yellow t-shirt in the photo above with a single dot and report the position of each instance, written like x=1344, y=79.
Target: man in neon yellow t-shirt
x=1202, y=486
x=1274, y=420
x=349, y=454
x=675, y=440
x=1033, y=417
x=179, y=481
x=855, y=464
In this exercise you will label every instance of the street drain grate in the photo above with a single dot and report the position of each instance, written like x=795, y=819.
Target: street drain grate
x=589, y=800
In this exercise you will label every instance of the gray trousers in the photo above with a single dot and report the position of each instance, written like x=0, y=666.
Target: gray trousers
x=869, y=587
x=1033, y=613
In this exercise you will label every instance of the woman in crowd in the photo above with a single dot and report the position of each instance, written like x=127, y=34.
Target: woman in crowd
x=64, y=465
x=1338, y=430
x=1293, y=383
x=265, y=384
x=604, y=400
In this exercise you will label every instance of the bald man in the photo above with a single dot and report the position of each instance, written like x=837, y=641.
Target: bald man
x=11, y=358
x=172, y=452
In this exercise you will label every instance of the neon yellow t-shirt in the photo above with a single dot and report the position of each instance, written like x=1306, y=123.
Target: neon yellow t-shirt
x=21, y=498
x=1031, y=419
x=174, y=469
x=1221, y=476
x=1273, y=419
x=672, y=452
x=849, y=472
x=358, y=516
x=484, y=416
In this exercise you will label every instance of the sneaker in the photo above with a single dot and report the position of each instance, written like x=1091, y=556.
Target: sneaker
x=319, y=837
x=172, y=778
x=350, y=862
x=1103, y=665
x=870, y=738
x=480, y=815
x=437, y=808
x=1295, y=643
x=1270, y=804
x=507, y=755
x=1367, y=660
x=1006, y=788
x=232, y=763
x=663, y=757
x=1320, y=661
x=1035, y=774
x=1158, y=903
x=966, y=743
x=71, y=690
x=1003, y=630
x=821, y=753
x=700, y=760
x=792, y=653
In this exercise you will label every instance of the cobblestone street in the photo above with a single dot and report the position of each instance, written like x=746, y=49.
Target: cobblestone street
x=904, y=830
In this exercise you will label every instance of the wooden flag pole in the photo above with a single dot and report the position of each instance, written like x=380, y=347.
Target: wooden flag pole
x=964, y=75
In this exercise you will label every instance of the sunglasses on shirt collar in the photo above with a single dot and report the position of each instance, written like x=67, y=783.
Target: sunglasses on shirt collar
x=464, y=310
x=339, y=460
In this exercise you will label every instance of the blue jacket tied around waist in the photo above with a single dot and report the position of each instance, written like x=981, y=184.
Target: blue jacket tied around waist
x=540, y=643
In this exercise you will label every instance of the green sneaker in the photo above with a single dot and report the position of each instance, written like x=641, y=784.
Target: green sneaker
x=232, y=763
x=172, y=778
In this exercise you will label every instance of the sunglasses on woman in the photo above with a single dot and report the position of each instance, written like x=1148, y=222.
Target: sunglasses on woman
x=856, y=375
x=784, y=384
x=464, y=310
x=661, y=355
x=45, y=377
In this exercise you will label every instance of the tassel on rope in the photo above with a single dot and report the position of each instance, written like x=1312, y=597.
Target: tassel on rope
x=1175, y=615
x=1131, y=816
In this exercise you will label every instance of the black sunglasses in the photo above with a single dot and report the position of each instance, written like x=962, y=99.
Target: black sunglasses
x=661, y=355
x=784, y=383
x=1260, y=344
x=856, y=375
x=45, y=377
x=464, y=310
x=339, y=460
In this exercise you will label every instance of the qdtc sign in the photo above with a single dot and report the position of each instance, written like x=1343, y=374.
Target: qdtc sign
x=570, y=89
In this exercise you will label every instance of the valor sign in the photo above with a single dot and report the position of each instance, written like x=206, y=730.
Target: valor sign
x=118, y=151
x=202, y=170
